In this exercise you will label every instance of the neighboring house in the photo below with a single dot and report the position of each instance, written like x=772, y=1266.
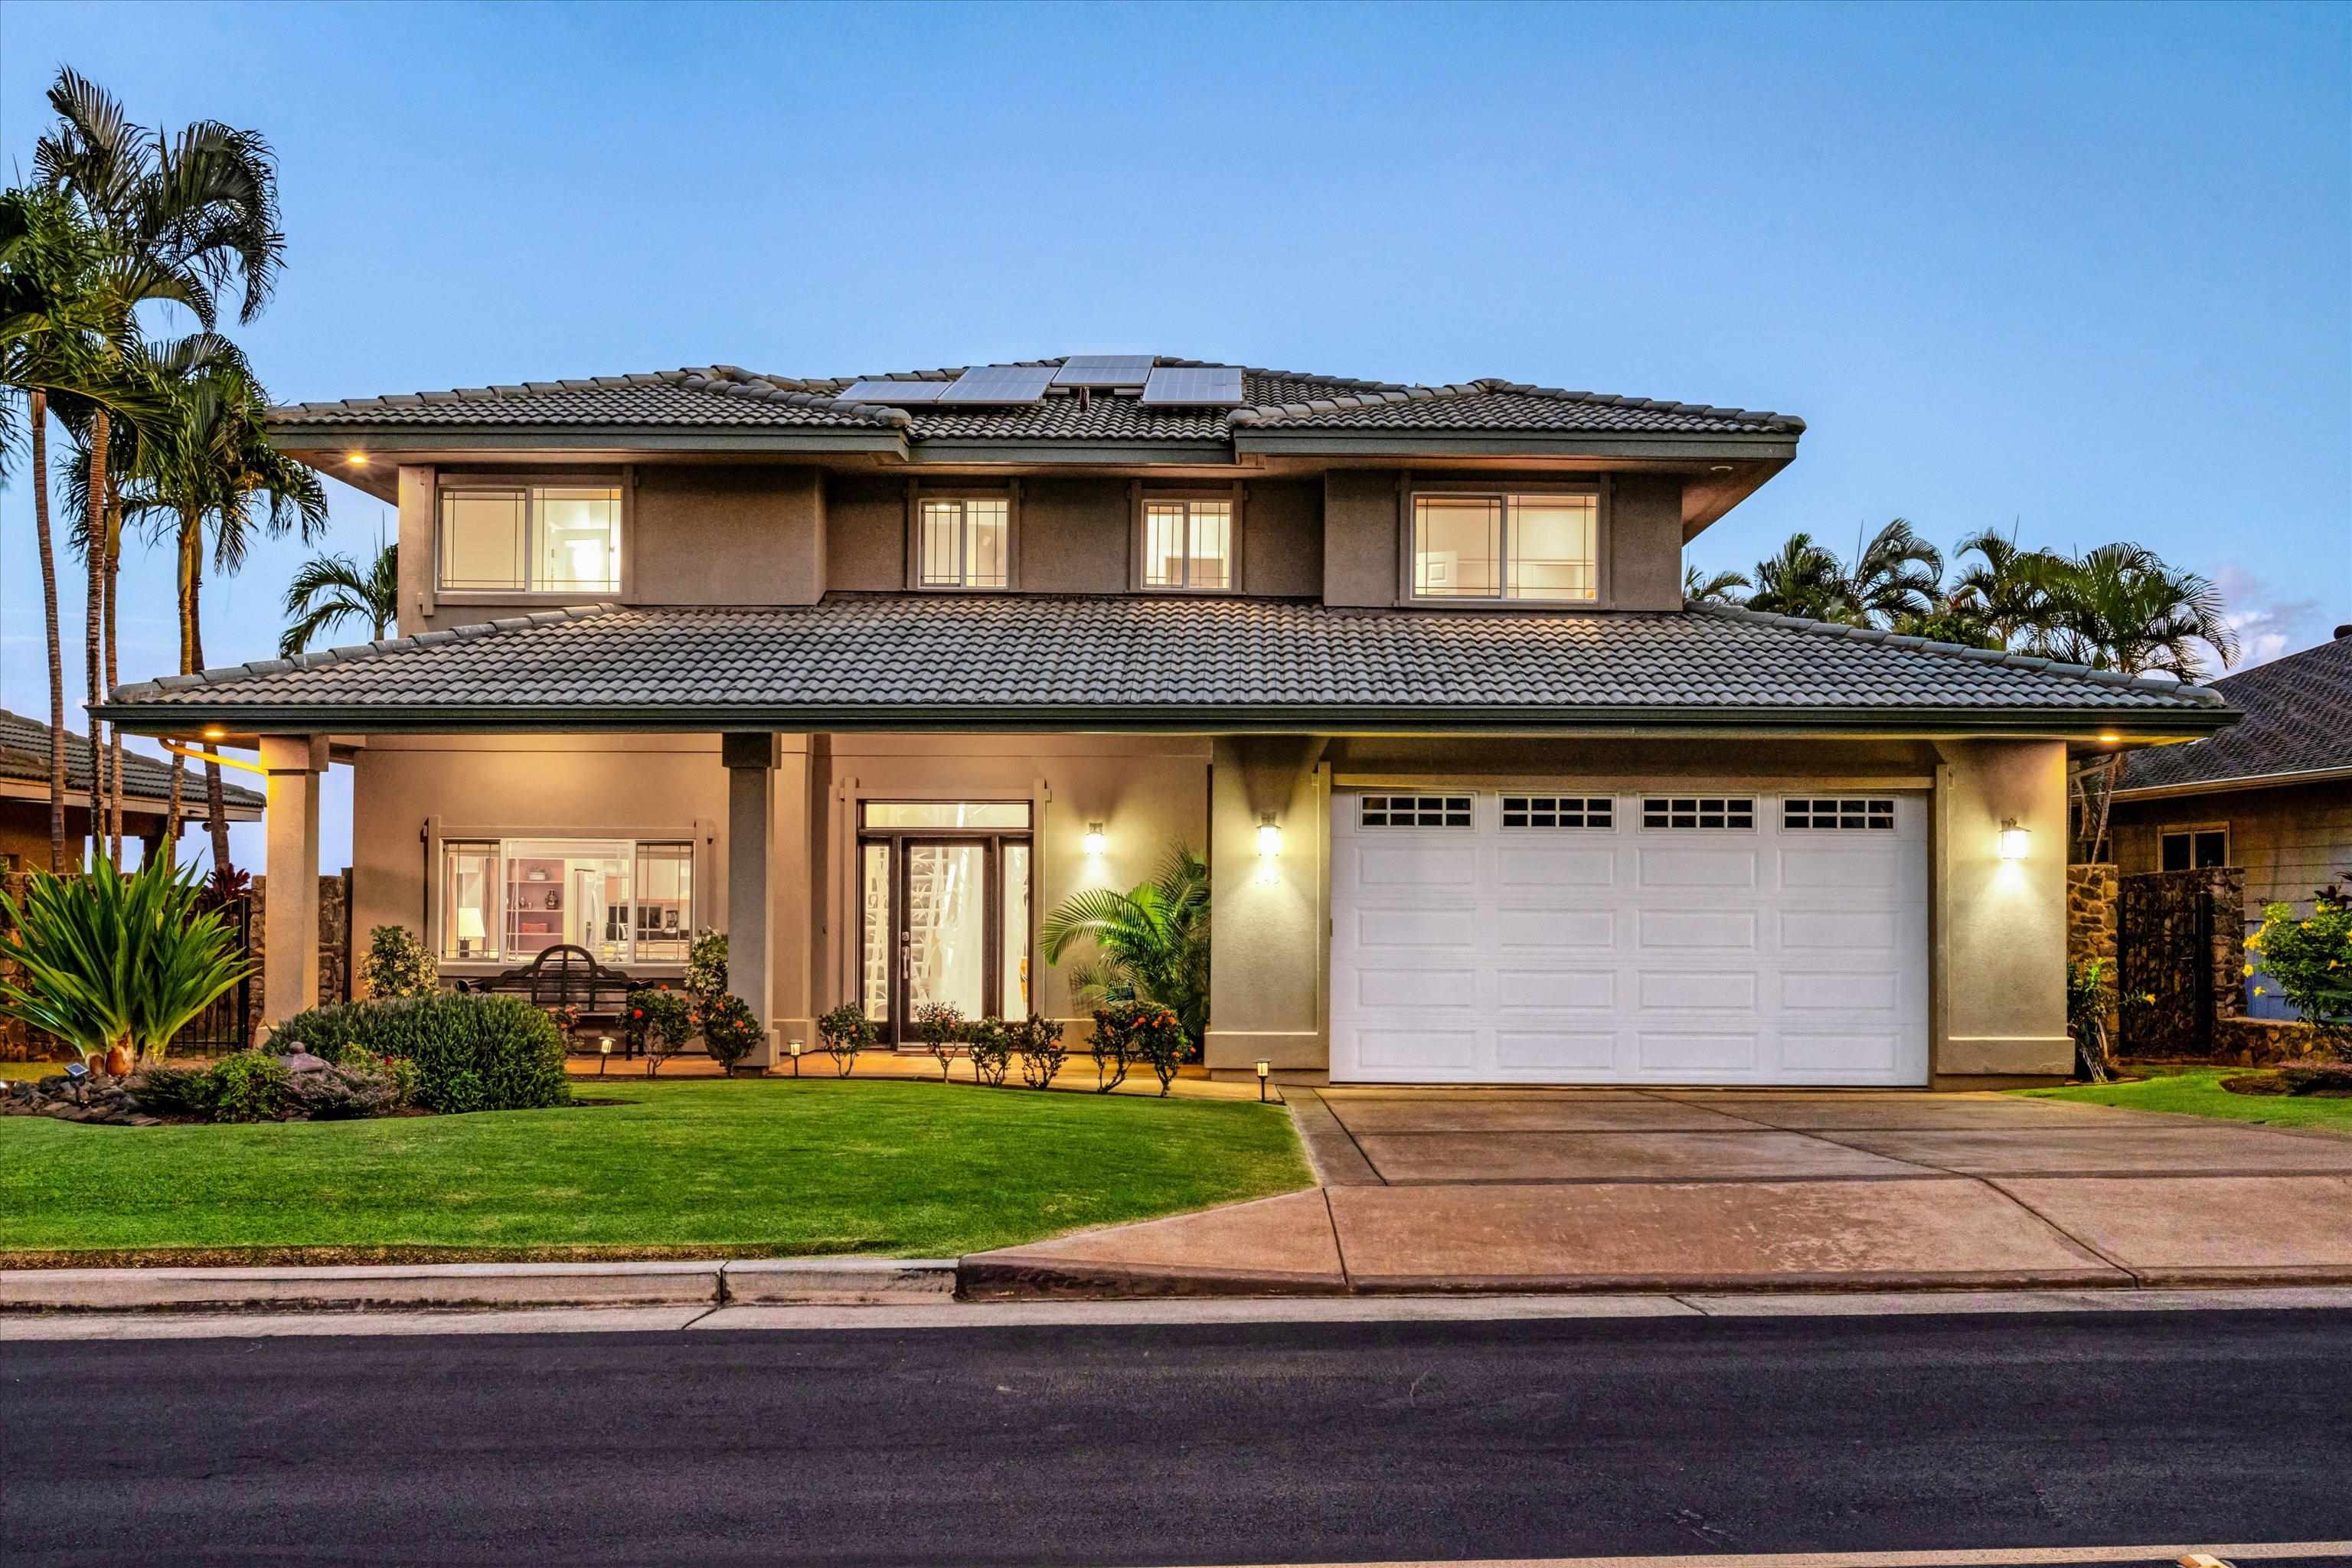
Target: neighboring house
x=2273, y=796
x=146, y=795
x=872, y=674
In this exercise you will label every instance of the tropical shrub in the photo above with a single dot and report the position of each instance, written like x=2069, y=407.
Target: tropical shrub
x=940, y=1025
x=397, y=965
x=1039, y=1041
x=249, y=1085
x=659, y=1022
x=845, y=1031
x=991, y=1046
x=160, y=1090
x=706, y=966
x=729, y=1030
x=1156, y=1037
x=2310, y=958
x=2089, y=1000
x=108, y=959
x=1151, y=942
x=471, y=1052
x=1113, y=1046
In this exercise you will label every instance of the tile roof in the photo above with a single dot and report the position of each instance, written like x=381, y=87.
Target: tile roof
x=2298, y=720
x=866, y=658
x=1273, y=400
x=24, y=755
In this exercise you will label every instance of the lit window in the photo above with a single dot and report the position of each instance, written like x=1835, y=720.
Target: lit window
x=966, y=543
x=1532, y=547
x=540, y=539
x=1597, y=811
x=1413, y=811
x=1188, y=545
x=1731, y=814
x=1843, y=815
x=511, y=899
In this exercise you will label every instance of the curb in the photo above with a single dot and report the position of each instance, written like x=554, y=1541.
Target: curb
x=753, y=1281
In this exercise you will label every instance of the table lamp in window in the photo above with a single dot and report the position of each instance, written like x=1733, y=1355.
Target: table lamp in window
x=470, y=931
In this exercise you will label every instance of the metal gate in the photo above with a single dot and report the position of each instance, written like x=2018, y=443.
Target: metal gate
x=227, y=1024
x=2163, y=963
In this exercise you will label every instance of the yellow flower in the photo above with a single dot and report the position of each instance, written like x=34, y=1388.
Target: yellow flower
x=2246, y=969
x=2148, y=997
x=2259, y=990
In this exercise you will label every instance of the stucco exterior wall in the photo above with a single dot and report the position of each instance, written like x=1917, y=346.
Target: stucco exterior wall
x=747, y=535
x=1282, y=547
x=1998, y=997
x=1646, y=542
x=1074, y=536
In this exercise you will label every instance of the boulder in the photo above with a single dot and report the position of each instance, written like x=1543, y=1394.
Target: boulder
x=300, y=1061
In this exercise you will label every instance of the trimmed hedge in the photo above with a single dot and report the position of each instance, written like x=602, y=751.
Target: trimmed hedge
x=471, y=1053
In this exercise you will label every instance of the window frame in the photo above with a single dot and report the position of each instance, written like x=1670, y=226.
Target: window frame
x=624, y=483
x=1414, y=491
x=698, y=840
x=919, y=494
x=2193, y=831
x=1140, y=499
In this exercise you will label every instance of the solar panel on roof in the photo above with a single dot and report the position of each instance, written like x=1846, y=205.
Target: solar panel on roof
x=1000, y=383
x=1104, y=370
x=1219, y=386
x=894, y=391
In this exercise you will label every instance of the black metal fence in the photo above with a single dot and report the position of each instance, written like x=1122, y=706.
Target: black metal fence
x=227, y=1024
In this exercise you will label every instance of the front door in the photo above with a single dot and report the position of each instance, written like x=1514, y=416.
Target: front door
x=946, y=919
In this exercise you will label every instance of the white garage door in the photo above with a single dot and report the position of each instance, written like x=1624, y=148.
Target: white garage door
x=1592, y=936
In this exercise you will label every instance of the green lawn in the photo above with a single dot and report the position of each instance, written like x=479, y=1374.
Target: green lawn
x=698, y=1167
x=2197, y=1091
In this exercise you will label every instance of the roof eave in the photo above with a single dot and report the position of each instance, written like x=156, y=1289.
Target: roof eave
x=2234, y=782
x=145, y=718
x=1301, y=442
x=302, y=439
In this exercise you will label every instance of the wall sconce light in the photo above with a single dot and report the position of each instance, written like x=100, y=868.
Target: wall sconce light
x=1269, y=836
x=603, y=1053
x=1095, y=842
x=796, y=1047
x=2014, y=840
x=1264, y=1068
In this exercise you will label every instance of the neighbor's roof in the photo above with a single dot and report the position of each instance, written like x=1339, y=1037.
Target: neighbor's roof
x=967, y=662
x=2298, y=721
x=1289, y=402
x=24, y=755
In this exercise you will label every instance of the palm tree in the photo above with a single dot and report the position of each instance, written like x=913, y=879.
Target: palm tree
x=327, y=590
x=1716, y=589
x=1153, y=941
x=178, y=217
x=1804, y=579
x=1895, y=573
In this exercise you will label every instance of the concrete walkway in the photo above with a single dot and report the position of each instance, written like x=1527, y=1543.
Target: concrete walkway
x=1561, y=1189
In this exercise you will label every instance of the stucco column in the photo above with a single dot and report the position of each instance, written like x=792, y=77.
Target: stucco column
x=1270, y=912
x=1999, y=1005
x=791, y=899
x=750, y=761
x=290, y=901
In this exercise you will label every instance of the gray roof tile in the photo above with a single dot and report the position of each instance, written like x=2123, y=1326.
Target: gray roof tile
x=878, y=653
x=2298, y=720
x=24, y=755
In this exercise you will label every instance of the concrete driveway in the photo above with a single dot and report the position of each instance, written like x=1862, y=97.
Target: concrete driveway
x=1510, y=1190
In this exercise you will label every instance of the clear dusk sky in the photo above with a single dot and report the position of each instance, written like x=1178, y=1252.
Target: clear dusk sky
x=2086, y=270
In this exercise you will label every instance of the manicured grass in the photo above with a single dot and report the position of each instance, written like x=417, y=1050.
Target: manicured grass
x=691, y=1168
x=2197, y=1091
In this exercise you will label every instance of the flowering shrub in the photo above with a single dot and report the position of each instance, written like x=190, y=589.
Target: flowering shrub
x=397, y=965
x=2311, y=959
x=1159, y=1040
x=990, y=1043
x=940, y=1025
x=1113, y=1046
x=1039, y=1041
x=845, y=1031
x=659, y=1022
x=729, y=1030
x=706, y=966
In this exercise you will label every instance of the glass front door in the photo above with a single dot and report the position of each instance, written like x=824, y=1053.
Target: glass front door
x=946, y=920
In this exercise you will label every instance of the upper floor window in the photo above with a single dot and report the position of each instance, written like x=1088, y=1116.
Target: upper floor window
x=1189, y=544
x=531, y=539
x=1537, y=547
x=966, y=543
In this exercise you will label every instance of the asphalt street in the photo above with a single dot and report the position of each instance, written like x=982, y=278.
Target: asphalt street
x=1188, y=1443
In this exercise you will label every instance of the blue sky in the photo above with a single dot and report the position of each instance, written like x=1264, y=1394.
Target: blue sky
x=2086, y=270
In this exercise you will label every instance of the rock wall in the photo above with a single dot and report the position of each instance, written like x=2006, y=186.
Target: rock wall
x=2091, y=914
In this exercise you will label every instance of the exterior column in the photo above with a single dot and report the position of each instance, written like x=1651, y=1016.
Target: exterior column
x=290, y=903
x=1269, y=940
x=750, y=761
x=1998, y=1016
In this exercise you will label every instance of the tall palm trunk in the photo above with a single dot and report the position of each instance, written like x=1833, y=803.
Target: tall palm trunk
x=190, y=544
x=93, y=624
x=40, y=422
x=114, y=734
x=215, y=805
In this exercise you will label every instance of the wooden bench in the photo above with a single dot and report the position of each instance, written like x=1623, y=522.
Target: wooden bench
x=566, y=976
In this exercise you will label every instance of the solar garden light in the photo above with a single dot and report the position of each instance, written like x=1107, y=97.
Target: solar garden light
x=796, y=1047
x=77, y=1075
x=603, y=1054
x=1264, y=1068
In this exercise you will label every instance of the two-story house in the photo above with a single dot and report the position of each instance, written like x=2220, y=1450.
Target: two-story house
x=870, y=674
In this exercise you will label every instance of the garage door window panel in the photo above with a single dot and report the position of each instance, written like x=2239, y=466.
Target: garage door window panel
x=1412, y=811
x=1843, y=813
x=1701, y=813
x=1591, y=813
